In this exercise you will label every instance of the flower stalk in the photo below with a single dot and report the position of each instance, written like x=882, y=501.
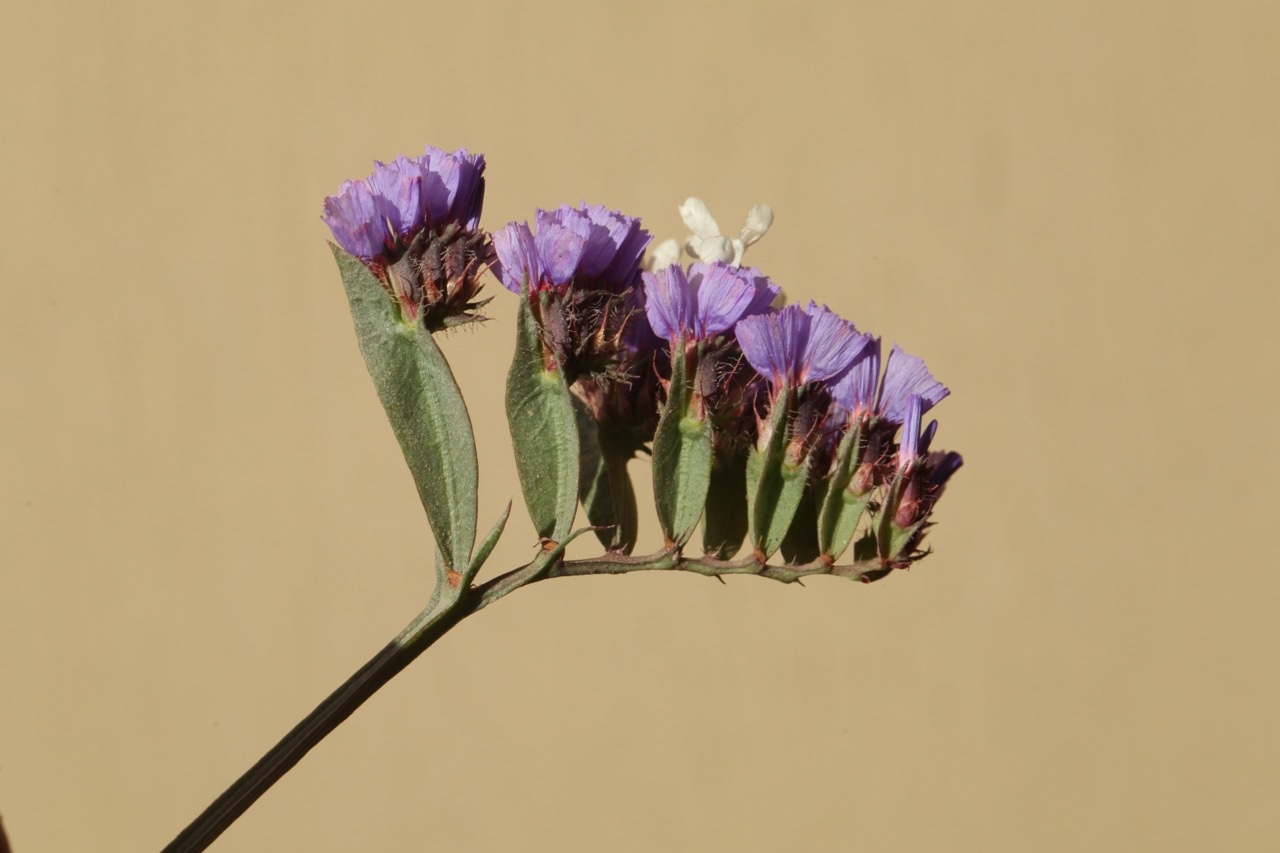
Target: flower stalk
x=765, y=424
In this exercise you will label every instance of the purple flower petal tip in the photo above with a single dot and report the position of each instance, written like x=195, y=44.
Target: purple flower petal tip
x=517, y=257
x=590, y=247
x=668, y=305
x=906, y=375
x=909, y=448
x=832, y=346
x=855, y=391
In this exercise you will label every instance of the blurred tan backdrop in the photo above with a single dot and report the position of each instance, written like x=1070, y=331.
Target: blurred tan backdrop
x=1070, y=209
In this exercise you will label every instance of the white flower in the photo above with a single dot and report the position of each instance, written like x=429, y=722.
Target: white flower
x=708, y=245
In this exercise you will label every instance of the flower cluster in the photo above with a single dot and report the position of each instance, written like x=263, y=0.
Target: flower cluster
x=806, y=440
x=415, y=223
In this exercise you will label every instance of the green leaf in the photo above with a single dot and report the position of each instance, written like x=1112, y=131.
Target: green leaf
x=681, y=458
x=425, y=407
x=774, y=486
x=839, y=511
x=543, y=432
x=604, y=486
x=724, y=521
x=486, y=545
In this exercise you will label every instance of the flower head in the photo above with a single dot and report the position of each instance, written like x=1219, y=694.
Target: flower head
x=588, y=247
x=905, y=376
x=797, y=345
x=415, y=223
x=581, y=268
x=706, y=302
x=889, y=398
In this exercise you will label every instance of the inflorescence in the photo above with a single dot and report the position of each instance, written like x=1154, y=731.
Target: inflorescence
x=795, y=382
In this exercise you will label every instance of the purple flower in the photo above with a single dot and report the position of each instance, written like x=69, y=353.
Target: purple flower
x=855, y=391
x=588, y=247
x=909, y=449
x=924, y=474
x=582, y=270
x=415, y=224
x=798, y=345
x=905, y=376
x=614, y=249
x=380, y=214
x=355, y=217
x=707, y=302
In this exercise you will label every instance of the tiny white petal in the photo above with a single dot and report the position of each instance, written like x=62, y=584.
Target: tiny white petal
x=714, y=249
x=699, y=220
x=759, y=218
x=664, y=255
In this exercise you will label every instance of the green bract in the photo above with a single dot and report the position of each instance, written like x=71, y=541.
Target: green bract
x=681, y=457
x=426, y=411
x=839, y=511
x=544, y=432
x=774, y=485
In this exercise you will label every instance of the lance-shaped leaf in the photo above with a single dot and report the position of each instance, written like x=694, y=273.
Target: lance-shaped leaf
x=724, y=521
x=486, y=546
x=450, y=585
x=544, y=432
x=425, y=407
x=774, y=485
x=681, y=457
x=839, y=510
x=604, y=486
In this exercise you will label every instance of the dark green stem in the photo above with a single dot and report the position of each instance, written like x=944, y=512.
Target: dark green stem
x=416, y=638
x=430, y=626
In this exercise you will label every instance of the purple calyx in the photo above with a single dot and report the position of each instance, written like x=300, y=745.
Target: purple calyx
x=862, y=391
x=379, y=215
x=588, y=247
x=707, y=301
x=796, y=346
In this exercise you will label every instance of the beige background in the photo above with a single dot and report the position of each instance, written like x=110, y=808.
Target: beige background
x=1070, y=209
